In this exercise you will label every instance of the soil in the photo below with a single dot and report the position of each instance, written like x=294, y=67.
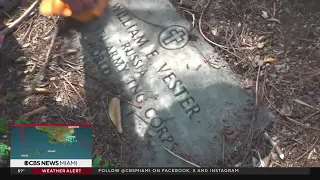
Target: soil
x=277, y=39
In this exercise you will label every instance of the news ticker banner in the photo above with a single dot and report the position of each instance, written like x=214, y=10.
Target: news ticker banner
x=163, y=171
x=51, y=145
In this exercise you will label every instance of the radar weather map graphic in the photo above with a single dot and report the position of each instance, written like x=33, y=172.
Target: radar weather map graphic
x=51, y=141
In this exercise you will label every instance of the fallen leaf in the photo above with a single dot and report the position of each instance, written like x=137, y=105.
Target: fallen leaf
x=286, y=110
x=269, y=59
x=115, y=113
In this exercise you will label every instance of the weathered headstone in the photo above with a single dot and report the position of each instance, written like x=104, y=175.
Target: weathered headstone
x=146, y=46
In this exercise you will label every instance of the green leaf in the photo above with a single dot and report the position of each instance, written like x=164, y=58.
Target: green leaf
x=4, y=150
x=96, y=162
x=22, y=121
x=115, y=165
x=4, y=125
x=105, y=165
x=11, y=96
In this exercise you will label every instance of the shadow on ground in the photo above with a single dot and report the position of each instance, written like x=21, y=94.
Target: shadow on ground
x=11, y=75
x=136, y=146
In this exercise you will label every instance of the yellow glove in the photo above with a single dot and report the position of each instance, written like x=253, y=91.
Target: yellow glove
x=67, y=8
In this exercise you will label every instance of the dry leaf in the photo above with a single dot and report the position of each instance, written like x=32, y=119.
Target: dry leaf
x=286, y=110
x=231, y=133
x=26, y=45
x=269, y=59
x=115, y=113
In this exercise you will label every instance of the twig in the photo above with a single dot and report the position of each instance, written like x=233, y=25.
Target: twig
x=310, y=149
x=254, y=117
x=274, y=9
x=84, y=103
x=303, y=125
x=312, y=49
x=13, y=25
x=302, y=103
x=62, y=117
x=223, y=139
x=41, y=73
x=34, y=112
x=181, y=158
x=193, y=17
x=310, y=116
x=27, y=32
x=119, y=96
x=257, y=85
x=204, y=36
x=262, y=164
x=274, y=145
x=267, y=160
x=30, y=91
x=27, y=92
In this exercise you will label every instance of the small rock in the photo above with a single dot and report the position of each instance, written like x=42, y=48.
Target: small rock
x=260, y=63
x=274, y=157
x=260, y=45
x=59, y=99
x=248, y=83
x=214, y=31
x=287, y=10
x=53, y=78
x=4, y=136
x=43, y=119
x=280, y=67
x=286, y=110
x=257, y=59
x=264, y=14
x=273, y=75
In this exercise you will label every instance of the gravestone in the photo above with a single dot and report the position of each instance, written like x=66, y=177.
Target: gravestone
x=161, y=64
